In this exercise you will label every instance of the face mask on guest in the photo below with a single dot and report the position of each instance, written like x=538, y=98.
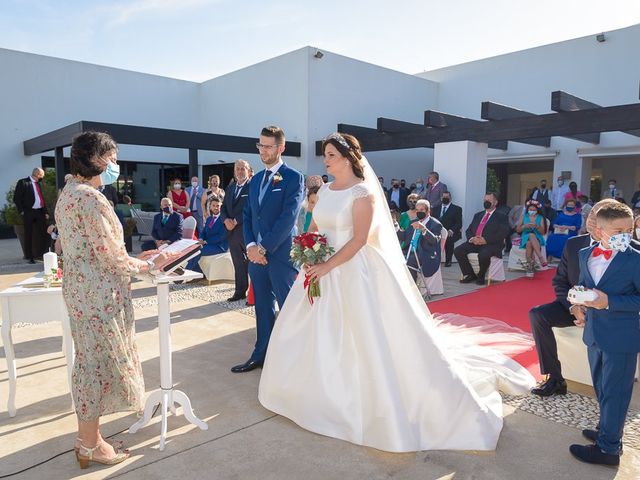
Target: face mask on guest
x=619, y=242
x=166, y=209
x=111, y=174
x=177, y=186
x=486, y=204
x=445, y=200
x=569, y=209
x=543, y=186
x=194, y=184
x=612, y=186
x=533, y=212
x=419, y=185
x=411, y=205
x=560, y=183
x=421, y=215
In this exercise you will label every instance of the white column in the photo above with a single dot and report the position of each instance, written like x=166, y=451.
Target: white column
x=580, y=168
x=463, y=168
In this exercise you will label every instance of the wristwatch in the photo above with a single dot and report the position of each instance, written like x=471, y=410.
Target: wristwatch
x=261, y=250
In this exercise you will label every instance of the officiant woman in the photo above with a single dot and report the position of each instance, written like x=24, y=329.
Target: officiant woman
x=107, y=376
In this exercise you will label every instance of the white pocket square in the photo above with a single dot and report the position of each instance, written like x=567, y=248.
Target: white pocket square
x=277, y=190
x=245, y=195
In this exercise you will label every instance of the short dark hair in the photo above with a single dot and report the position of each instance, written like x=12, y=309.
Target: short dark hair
x=614, y=211
x=493, y=194
x=447, y=192
x=86, y=148
x=213, y=198
x=273, y=132
x=435, y=174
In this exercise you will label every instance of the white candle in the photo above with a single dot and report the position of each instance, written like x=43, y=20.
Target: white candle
x=50, y=262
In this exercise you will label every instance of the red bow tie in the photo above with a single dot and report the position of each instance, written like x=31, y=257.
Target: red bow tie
x=601, y=251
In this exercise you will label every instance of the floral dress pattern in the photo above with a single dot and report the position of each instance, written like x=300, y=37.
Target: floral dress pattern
x=107, y=375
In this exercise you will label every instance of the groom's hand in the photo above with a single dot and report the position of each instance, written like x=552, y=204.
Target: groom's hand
x=254, y=256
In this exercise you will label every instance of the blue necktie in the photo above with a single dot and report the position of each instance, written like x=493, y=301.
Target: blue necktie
x=267, y=174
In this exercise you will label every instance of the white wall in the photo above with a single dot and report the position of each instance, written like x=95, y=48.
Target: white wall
x=40, y=94
x=344, y=90
x=604, y=73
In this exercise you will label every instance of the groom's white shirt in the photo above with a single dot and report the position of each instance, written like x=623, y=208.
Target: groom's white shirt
x=273, y=169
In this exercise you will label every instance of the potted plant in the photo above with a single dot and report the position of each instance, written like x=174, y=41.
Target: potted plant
x=129, y=227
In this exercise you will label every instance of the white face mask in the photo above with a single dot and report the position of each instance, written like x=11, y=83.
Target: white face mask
x=177, y=186
x=560, y=183
x=194, y=184
x=619, y=242
x=532, y=213
x=418, y=185
x=612, y=186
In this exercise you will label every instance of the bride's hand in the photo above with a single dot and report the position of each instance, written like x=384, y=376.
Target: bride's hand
x=318, y=270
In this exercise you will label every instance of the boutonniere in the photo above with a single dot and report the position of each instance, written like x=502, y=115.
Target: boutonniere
x=277, y=178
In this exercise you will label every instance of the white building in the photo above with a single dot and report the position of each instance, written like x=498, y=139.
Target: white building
x=308, y=95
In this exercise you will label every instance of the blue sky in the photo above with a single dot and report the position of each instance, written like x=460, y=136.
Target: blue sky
x=200, y=39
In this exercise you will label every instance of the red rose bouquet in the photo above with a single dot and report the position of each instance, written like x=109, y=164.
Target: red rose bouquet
x=310, y=249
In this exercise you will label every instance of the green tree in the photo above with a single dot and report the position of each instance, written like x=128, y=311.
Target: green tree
x=493, y=182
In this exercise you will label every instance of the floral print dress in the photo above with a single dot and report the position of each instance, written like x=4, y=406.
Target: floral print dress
x=107, y=375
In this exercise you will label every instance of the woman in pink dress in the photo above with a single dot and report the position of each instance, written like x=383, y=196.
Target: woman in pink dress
x=572, y=195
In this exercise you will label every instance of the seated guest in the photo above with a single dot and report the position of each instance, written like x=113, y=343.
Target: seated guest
x=485, y=236
x=213, y=236
x=410, y=214
x=532, y=227
x=567, y=225
x=550, y=212
x=167, y=226
x=574, y=195
x=306, y=213
x=428, y=231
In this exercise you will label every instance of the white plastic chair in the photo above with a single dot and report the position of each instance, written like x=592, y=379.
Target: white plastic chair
x=144, y=221
x=496, y=268
x=189, y=228
x=217, y=267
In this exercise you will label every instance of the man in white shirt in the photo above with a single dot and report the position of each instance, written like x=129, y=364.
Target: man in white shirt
x=558, y=193
x=195, y=192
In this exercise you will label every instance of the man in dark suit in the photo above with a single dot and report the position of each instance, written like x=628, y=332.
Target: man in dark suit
x=451, y=219
x=30, y=204
x=541, y=194
x=559, y=312
x=427, y=243
x=110, y=192
x=485, y=236
x=235, y=198
x=167, y=226
x=398, y=195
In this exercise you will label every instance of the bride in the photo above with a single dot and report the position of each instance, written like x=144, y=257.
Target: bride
x=367, y=362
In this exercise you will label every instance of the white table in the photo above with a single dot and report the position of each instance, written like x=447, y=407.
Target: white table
x=21, y=303
x=167, y=397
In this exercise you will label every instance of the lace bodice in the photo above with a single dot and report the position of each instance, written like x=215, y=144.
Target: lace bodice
x=333, y=212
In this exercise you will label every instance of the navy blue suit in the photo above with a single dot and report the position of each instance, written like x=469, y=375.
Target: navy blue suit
x=613, y=339
x=272, y=224
x=429, y=251
x=215, y=235
x=171, y=231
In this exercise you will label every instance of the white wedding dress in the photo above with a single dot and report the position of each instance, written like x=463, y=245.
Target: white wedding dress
x=367, y=362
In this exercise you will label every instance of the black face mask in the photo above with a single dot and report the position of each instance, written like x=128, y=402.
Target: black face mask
x=543, y=185
x=487, y=204
x=421, y=215
x=402, y=184
x=411, y=205
x=166, y=209
x=395, y=185
x=446, y=200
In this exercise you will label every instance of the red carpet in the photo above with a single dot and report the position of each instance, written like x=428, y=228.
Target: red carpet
x=509, y=302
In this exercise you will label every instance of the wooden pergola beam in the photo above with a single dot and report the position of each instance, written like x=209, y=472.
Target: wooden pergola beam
x=566, y=102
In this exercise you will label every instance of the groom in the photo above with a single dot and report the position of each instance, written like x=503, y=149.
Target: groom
x=275, y=196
